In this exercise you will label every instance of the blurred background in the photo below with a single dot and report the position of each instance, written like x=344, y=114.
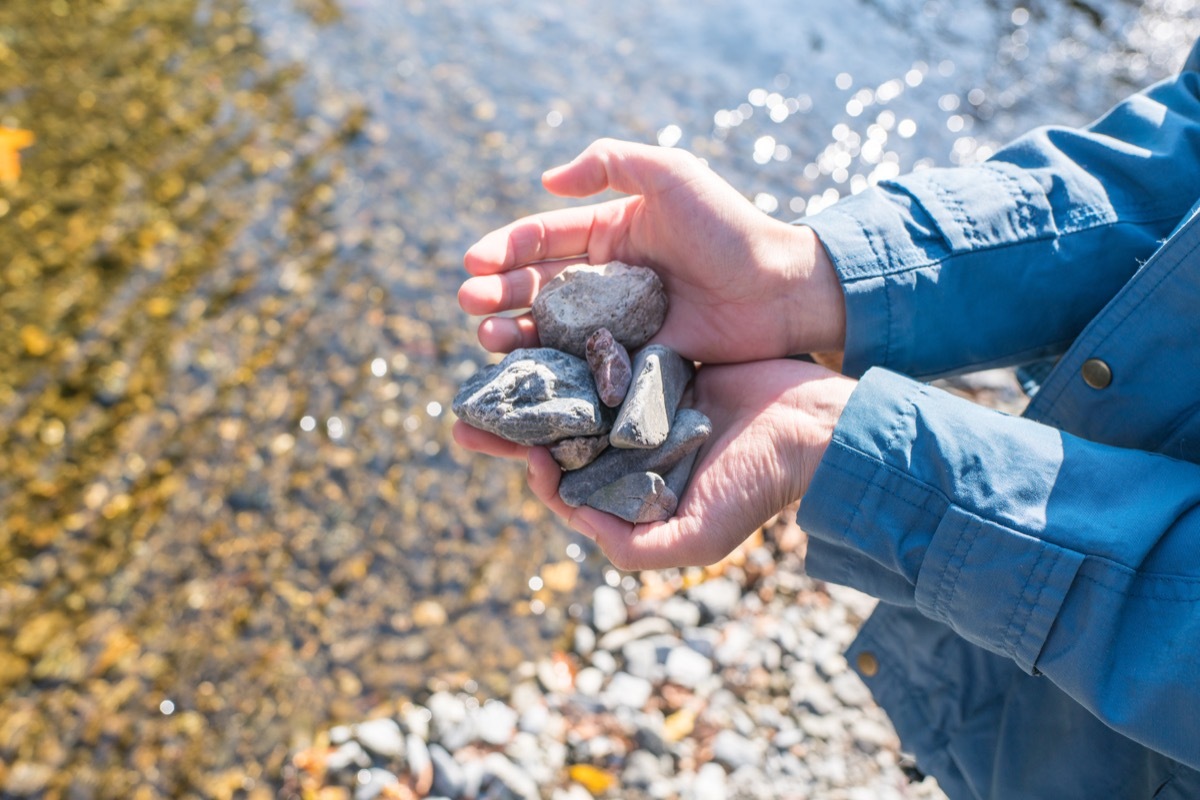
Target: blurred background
x=230, y=510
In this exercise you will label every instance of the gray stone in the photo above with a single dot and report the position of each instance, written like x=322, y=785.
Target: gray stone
x=659, y=378
x=417, y=753
x=710, y=783
x=718, y=597
x=376, y=780
x=636, y=497
x=448, y=776
x=534, y=396
x=512, y=778
x=644, y=627
x=585, y=640
x=688, y=668
x=678, y=476
x=350, y=755
x=609, y=362
x=589, y=681
x=495, y=722
x=627, y=691
x=629, y=301
x=641, y=660
x=579, y=451
x=381, y=736
x=690, y=430
x=734, y=750
x=680, y=611
x=608, y=608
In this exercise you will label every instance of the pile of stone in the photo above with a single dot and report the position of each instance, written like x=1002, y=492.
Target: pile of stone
x=614, y=425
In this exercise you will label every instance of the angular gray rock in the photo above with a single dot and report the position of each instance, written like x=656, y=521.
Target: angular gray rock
x=690, y=430
x=534, y=396
x=609, y=362
x=636, y=497
x=579, y=451
x=678, y=476
x=629, y=301
x=659, y=378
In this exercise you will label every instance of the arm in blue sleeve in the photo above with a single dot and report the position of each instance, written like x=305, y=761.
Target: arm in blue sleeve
x=951, y=270
x=1074, y=559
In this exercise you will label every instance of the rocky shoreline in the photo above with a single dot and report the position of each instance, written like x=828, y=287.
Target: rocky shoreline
x=726, y=682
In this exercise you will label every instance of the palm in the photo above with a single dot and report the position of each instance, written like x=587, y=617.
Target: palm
x=738, y=281
x=771, y=421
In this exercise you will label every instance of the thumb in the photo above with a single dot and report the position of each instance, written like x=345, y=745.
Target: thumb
x=626, y=167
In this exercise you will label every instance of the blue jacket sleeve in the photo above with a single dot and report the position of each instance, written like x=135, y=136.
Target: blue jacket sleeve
x=952, y=270
x=1072, y=558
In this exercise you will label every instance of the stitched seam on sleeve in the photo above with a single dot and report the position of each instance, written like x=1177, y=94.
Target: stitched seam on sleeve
x=1018, y=605
x=1043, y=570
x=880, y=466
x=948, y=580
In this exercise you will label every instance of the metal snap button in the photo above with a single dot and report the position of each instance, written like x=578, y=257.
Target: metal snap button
x=1096, y=373
x=867, y=663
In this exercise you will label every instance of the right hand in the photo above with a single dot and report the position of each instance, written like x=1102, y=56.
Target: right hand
x=741, y=285
x=772, y=421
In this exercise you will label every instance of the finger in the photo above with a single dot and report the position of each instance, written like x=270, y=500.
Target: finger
x=627, y=167
x=492, y=294
x=542, y=473
x=505, y=334
x=556, y=234
x=487, y=443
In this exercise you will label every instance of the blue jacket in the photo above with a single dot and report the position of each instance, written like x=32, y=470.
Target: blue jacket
x=1039, y=634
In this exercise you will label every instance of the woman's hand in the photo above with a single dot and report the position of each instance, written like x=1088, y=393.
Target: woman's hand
x=741, y=285
x=772, y=421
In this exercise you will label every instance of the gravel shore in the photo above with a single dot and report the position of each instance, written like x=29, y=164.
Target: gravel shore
x=720, y=683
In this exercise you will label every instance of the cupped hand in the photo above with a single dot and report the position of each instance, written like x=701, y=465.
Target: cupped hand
x=741, y=285
x=772, y=421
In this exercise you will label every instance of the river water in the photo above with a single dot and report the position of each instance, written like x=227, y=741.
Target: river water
x=230, y=511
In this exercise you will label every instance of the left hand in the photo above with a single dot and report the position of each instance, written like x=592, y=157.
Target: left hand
x=772, y=421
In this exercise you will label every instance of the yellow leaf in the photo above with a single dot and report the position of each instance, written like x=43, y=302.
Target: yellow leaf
x=594, y=779
x=12, y=141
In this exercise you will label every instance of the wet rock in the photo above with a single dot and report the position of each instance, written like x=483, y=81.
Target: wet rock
x=579, y=451
x=629, y=301
x=659, y=378
x=636, y=497
x=534, y=396
x=610, y=366
x=608, y=608
x=690, y=430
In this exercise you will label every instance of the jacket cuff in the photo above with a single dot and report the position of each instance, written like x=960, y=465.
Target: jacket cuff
x=995, y=586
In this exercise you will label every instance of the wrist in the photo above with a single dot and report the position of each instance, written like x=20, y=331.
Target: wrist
x=812, y=303
x=817, y=406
